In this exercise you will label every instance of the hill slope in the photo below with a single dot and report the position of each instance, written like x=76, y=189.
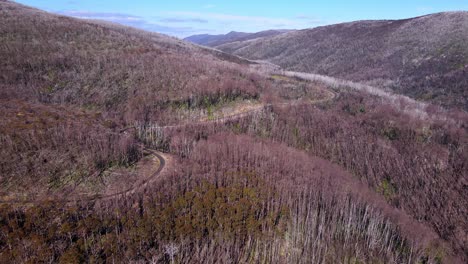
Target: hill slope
x=349, y=178
x=57, y=59
x=424, y=57
x=214, y=40
x=233, y=36
x=76, y=81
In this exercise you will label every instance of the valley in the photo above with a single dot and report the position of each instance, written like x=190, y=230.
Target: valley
x=126, y=146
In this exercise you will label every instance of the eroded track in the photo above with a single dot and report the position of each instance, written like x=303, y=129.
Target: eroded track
x=160, y=156
x=154, y=176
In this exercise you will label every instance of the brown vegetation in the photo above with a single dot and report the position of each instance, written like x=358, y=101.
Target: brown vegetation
x=233, y=199
x=315, y=176
x=49, y=150
x=424, y=57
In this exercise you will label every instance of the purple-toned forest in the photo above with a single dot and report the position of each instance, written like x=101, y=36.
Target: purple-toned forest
x=124, y=146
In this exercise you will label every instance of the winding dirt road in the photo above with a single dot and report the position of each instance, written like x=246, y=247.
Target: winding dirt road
x=132, y=190
x=160, y=156
x=331, y=95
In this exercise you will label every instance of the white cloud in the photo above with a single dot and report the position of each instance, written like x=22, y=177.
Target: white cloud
x=101, y=16
x=265, y=22
x=309, y=19
x=182, y=23
x=133, y=21
x=183, y=20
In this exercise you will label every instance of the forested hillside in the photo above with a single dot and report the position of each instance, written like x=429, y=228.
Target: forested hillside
x=216, y=40
x=424, y=57
x=124, y=146
x=64, y=80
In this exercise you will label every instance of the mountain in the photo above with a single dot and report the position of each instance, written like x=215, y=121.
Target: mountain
x=233, y=36
x=124, y=146
x=101, y=65
x=424, y=57
x=79, y=81
x=210, y=40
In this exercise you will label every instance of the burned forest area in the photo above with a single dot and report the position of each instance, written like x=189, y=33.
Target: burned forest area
x=120, y=145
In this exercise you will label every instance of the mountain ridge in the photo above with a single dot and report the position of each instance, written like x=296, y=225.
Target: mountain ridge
x=232, y=36
x=415, y=56
x=320, y=170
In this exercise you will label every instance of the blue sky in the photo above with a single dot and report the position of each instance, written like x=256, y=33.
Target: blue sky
x=182, y=18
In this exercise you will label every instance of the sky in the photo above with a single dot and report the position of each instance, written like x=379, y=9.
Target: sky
x=182, y=18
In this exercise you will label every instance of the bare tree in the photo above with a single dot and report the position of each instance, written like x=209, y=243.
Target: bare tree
x=171, y=250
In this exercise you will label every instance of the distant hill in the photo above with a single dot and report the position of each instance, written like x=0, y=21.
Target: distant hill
x=233, y=36
x=424, y=57
x=77, y=81
x=326, y=175
x=213, y=40
x=100, y=65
